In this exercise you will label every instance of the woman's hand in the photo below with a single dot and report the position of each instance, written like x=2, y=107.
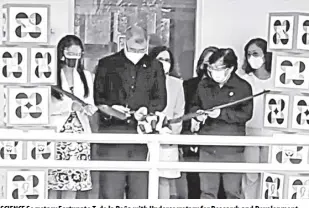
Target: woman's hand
x=76, y=107
x=195, y=125
x=202, y=117
x=214, y=113
x=90, y=109
x=196, y=122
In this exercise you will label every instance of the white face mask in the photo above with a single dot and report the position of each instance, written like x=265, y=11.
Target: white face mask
x=220, y=76
x=166, y=66
x=256, y=62
x=165, y=59
x=134, y=57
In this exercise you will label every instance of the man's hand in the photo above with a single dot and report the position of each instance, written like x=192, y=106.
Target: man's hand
x=153, y=123
x=152, y=119
x=122, y=109
x=140, y=113
x=214, y=113
x=143, y=127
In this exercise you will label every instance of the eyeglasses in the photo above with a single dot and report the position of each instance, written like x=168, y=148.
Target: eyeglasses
x=253, y=54
x=69, y=54
x=216, y=68
x=165, y=60
x=133, y=50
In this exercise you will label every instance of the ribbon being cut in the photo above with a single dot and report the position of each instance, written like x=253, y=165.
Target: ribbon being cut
x=156, y=123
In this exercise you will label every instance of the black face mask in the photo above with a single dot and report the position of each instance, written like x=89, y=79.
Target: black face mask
x=71, y=62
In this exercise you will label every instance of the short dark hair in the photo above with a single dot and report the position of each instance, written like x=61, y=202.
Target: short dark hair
x=262, y=44
x=136, y=28
x=229, y=58
x=157, y=50
x=199, y=70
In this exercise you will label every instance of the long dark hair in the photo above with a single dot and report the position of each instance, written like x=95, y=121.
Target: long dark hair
x=66, y=42
x=199, y=70
x=159, y=49
x=262, y=44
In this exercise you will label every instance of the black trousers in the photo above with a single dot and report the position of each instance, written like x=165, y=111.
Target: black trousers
x=193, y=179
x=117, y=184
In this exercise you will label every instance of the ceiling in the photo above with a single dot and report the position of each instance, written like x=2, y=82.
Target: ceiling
x=165, y=3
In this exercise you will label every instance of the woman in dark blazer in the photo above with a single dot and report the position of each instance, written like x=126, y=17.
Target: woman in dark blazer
x=191, y=153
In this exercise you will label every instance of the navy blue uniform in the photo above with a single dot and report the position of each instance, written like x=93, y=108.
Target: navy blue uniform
x=231, y=122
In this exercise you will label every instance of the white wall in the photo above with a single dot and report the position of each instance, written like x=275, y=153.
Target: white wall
x=232, y=23
x=62, y=23
x=62, y=16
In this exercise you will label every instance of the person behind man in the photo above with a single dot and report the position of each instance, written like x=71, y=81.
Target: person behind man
x=221, y=86
x=154, y=41
x=128, y=81
x=175, y=108
x=191, y=153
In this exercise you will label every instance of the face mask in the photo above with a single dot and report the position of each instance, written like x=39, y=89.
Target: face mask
x=71, y=59
x=134, y=57
x=220, y=76
x=256, y=62
x=71, y=62
x=166, y=66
